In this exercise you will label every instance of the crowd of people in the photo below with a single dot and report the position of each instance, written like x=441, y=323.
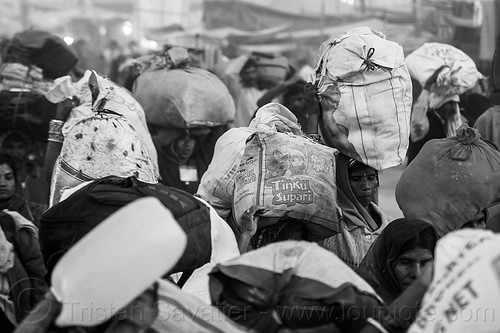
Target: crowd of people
x=282, y=228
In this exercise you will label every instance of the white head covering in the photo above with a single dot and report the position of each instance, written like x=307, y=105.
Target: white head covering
x=116, y=262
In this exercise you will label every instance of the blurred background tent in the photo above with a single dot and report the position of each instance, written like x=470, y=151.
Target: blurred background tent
x=230, y=27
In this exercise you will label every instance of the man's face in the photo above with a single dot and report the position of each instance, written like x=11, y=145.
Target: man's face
x=364, y=184
x=249, y=76
x=296, y=103
x=7, y=182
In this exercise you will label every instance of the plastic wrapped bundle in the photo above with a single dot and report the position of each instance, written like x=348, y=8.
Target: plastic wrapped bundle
x=287, y=285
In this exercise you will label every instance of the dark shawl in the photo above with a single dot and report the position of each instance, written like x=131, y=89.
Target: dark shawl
x=377, y=267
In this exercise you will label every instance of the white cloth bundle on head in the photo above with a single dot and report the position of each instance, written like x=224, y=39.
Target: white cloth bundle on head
x=458, y=73
x=97, y=146
x=118, y=100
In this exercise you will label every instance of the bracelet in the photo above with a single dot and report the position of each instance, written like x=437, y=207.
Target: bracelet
x=55, y=130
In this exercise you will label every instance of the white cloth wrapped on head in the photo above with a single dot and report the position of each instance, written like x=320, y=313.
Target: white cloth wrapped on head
x=98, y=146
x=89, y=280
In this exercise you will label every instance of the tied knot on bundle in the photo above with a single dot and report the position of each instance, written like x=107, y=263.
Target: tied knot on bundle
x=368, y=61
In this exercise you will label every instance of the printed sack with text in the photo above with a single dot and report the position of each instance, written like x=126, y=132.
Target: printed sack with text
x=291, y=176
x=464, y=293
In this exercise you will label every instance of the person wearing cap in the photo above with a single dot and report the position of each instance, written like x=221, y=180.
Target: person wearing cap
x=362, y=220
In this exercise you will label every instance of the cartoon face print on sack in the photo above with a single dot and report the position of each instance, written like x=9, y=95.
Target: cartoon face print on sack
x=277, y=164
x=297, y=162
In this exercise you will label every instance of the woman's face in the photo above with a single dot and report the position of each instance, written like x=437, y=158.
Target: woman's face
x=409, y=265
x=7, y=182
x=364, y=184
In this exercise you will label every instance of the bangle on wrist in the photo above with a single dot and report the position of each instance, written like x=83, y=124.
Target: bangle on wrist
x=55, y=130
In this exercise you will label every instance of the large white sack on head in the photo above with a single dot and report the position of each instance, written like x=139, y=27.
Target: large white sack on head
x=459, y=75
x=184, y=98
x=217, y=183
x=376, y=94
x=465, y=291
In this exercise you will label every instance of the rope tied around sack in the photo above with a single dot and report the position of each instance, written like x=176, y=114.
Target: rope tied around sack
x=368, y=61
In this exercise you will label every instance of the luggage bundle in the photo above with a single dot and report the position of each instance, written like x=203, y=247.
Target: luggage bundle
x=450, y=180
x=453, y=73
x=287, y=285
x=68, y=221
x=273, y=69
x=458, y=71
x=97, y=93
x=184, y=98
x=291, y=177
x=375, y=95
x=97, y=146
x=217, y=184
x=272, y=164
x=42, y=49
